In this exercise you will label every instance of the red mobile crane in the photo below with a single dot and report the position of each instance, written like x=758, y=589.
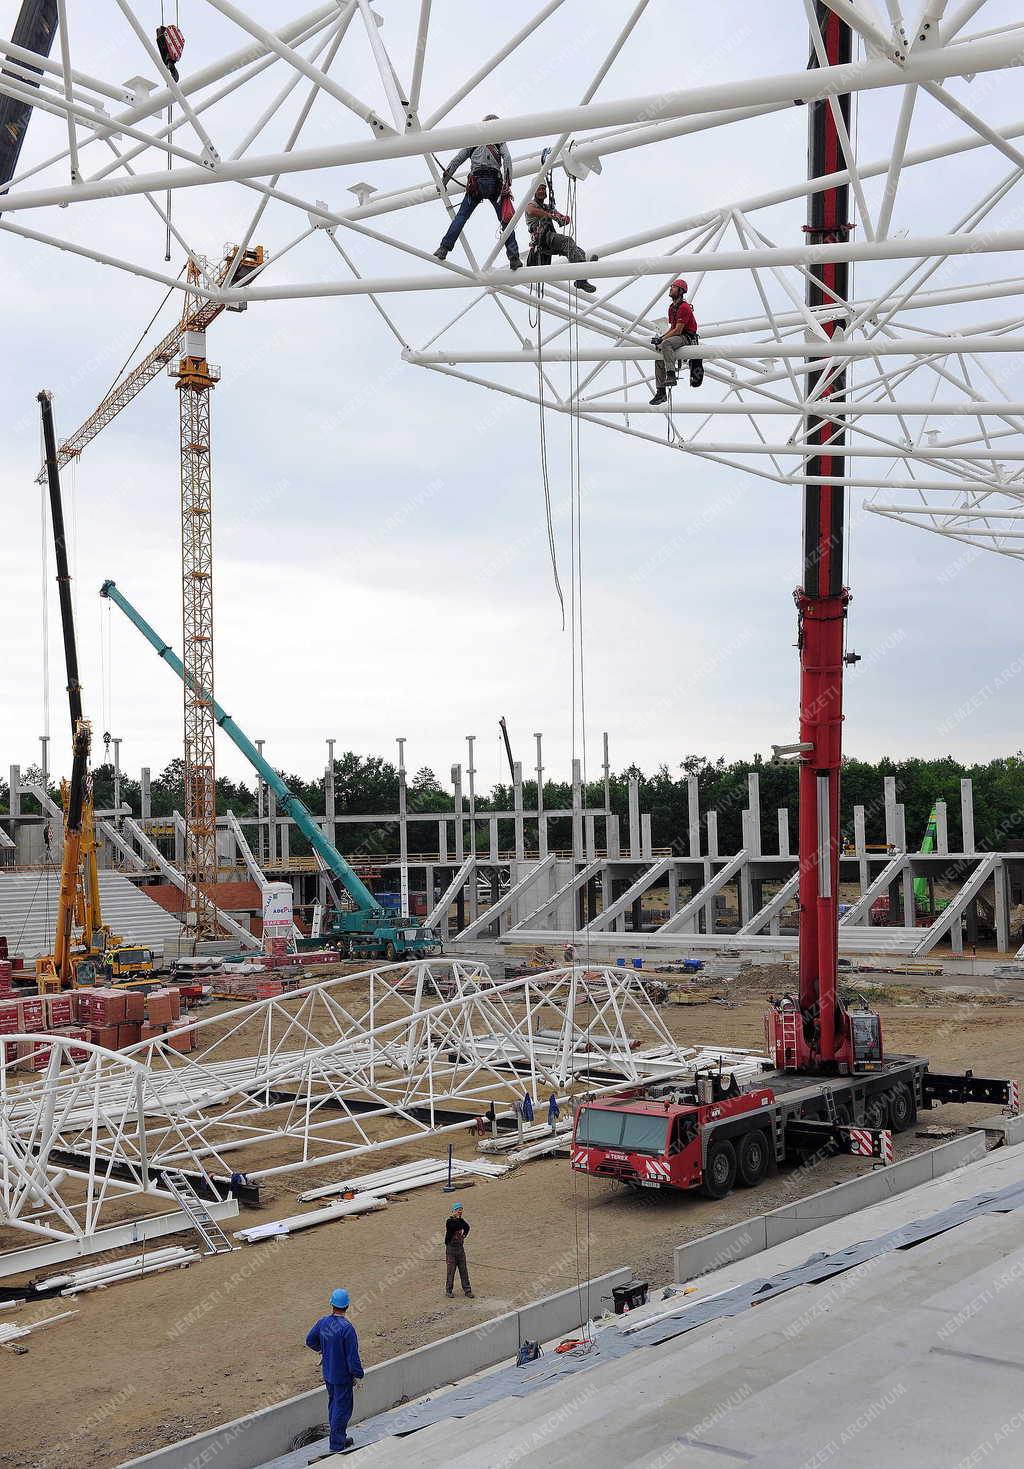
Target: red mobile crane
x=831, y=1081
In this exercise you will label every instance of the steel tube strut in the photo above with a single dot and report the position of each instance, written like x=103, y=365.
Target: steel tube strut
x=822, y=598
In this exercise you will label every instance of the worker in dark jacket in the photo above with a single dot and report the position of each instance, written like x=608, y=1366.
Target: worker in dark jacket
x=682, y=332
x=541, y=220
x=334, y=1337
x=490, y=177
x=455, y=1230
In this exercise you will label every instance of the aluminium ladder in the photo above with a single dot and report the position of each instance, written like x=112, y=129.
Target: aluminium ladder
x=214, y=1239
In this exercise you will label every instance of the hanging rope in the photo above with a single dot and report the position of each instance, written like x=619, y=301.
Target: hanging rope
x=548, y=518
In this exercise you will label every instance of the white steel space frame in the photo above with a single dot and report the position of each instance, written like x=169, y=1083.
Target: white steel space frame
x=961, y=480
x=310, y=1077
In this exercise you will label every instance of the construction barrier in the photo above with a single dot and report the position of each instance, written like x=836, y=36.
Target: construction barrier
x=740, y=1241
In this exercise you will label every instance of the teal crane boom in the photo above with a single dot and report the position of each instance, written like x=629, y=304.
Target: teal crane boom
x=368, y=931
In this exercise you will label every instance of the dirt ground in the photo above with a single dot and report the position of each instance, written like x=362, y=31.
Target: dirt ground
x=148, y=1362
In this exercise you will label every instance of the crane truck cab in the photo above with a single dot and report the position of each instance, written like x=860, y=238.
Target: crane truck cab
x=662, y=1141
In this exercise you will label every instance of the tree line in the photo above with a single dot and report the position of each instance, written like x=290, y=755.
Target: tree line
x=367, y=784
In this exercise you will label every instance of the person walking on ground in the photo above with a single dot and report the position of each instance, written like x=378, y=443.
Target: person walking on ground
x=490, y=178
x=546, y=241
x=682, y=332
x=334, y=1337
x=455, y=1230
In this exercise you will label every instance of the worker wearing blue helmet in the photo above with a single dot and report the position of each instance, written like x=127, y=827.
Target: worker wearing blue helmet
x=334, y=1337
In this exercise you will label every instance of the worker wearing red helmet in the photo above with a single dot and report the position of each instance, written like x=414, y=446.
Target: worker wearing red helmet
x=682, y=332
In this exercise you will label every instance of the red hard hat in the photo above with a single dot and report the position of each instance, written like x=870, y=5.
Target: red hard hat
x=680, y=283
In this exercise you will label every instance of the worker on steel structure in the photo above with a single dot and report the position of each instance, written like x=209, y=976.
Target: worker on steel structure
x=490, y=178
x=334, y=1337
x=546, y=241
x=682, y=332
x=455, y=1230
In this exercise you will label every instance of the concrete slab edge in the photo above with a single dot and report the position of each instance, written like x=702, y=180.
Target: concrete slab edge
x=266, y=1434
x=741, y=1241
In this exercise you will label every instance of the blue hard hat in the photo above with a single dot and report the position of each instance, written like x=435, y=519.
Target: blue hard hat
x=455, y=1207
x=339, y=1298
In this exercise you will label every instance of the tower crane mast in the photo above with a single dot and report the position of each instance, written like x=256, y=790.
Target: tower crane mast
x=182, y=354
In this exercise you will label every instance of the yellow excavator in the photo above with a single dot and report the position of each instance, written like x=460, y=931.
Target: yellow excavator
x=82, y=943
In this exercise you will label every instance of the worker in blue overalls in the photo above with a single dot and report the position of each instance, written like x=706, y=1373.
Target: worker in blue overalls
x=334, y=1337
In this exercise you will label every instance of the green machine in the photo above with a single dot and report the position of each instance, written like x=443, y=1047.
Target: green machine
x=364, y=931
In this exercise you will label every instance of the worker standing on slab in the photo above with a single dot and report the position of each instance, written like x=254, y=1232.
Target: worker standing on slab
x=682, y=332
x=334, y=1337
x=541, y=220
x=490, y=178
x=455, y=1230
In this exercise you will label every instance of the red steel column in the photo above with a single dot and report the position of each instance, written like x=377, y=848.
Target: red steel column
x=821, y=599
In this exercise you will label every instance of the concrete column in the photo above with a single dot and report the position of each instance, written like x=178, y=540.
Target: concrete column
x=517, y=808
x=908, y=876
x=889, y=798
x=712, y=829
x=754, y=807
x=44, y=759
x=146, y=795
x=956, y=936
x=607, y=886
x=577, y=817
x=272, y=833
x=646, y=843
x=471, y=772
x=693, y=805
x=673, y=890
x=15, y=801
x=262, y=836
x=611, y=837
x=634, y=817
x=941, y=828
x=442, y=840
x=492, y=838
x=744, y=892
x=403, y=827
x=284, y=838
x=460, y=835
x=607, y=769
x=117, y=778
x=783, y=820
x=709, y=906
x=330, y=797
x=542, y=822
x=179, y=845
x=967, y=815
x=590, y=836
x=860, y=843
x=1002, y=907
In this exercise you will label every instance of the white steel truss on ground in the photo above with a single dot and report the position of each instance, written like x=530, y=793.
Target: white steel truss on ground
x=351, y=1066
x=262, y=124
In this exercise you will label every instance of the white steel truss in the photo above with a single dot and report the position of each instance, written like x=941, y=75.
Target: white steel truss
x=924, y=341
x=347, y=1067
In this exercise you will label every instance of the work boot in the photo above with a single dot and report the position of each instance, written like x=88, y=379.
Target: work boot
x=585, y=286
x=660, y=397
x=440, y=253
x=449, y=1293
x=515, y=264
x=469, y=1295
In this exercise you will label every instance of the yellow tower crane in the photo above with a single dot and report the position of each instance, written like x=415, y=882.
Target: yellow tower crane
x=182, y=353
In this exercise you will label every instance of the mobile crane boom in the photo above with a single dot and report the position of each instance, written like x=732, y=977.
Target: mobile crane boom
x=325, y=849
x=79, y=889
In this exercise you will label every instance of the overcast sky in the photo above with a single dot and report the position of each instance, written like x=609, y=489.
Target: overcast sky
x=380, y=546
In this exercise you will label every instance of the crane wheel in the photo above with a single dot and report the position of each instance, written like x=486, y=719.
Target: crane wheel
x=902, y=1110
x=389, y=950
x=719, y=1170
x=752, y=1162
x=876, y=1110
